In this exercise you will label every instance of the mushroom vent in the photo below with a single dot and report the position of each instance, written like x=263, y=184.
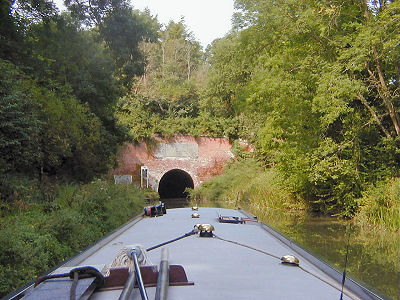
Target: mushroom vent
x=206, y=230
x=290, y=259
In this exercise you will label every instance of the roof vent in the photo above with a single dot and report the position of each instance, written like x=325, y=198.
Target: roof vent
x=290, y=259
x=206, y=230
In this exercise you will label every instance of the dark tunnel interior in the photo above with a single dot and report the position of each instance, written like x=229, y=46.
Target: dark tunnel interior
x=174, y=183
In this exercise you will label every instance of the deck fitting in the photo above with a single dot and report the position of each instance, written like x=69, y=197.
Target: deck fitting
x=206, y=230
x=290, y=259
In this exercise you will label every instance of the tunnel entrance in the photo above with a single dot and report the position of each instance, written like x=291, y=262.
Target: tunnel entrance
x=173, y=184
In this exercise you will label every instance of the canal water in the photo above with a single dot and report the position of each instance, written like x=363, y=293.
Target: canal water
x=373, y=256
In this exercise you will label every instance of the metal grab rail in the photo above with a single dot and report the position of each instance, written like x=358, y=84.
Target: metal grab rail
x=129, y=286
x=133, y=277
x=163, y=276
x=139, y=274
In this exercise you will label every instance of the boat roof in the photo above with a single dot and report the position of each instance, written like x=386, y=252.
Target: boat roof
x=242, y=261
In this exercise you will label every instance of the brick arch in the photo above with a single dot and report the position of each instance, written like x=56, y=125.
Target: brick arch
x=173, y=184
x=157, y=172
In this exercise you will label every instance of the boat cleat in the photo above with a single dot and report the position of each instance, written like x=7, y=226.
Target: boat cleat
x=195, y=215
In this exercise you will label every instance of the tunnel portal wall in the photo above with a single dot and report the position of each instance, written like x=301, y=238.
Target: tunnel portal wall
x=202, y=158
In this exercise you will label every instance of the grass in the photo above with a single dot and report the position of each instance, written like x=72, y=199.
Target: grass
x=245, y=183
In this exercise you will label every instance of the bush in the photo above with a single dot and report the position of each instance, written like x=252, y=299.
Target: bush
x=26, y=250
x=42, y=235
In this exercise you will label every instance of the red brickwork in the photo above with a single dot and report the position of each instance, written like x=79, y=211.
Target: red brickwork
x=212, y=155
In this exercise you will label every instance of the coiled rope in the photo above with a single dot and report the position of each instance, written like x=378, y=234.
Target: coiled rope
x=122, y=259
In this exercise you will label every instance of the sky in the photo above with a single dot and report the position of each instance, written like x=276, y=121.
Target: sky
x=206, y=19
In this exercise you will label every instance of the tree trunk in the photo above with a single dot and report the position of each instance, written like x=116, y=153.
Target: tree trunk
x=386, y=95
x=373, y=114
x=380, y=83
x=188, y=63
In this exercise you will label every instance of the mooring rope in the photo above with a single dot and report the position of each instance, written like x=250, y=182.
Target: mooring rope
x=246, y=246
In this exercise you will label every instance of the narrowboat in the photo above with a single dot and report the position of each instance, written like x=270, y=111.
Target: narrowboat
x=194, y=253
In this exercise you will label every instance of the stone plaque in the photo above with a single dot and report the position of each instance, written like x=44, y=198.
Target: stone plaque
x=127, y=179
x=177, y=150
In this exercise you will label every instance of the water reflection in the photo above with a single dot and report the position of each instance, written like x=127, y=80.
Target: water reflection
x=373, y=257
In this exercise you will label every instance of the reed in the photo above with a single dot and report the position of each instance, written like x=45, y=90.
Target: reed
x=379, y=206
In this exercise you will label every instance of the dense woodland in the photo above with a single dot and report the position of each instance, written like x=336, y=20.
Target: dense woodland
x=313, y=85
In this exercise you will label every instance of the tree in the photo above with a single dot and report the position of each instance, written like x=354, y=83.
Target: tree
x=308, y=73
x=93, y=12
x=164, y=99
x=370, y=60
x=123, y=30
x=11, y=38
x=20, y=124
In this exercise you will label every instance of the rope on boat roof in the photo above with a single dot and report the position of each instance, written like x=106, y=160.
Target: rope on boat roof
x=134, y=253
x=123, y=259
x=246, y=246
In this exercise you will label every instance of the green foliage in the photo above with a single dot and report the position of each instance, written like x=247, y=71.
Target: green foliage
x=379, y=205
x=94, y=12
x=167, y=98
x=145, y=118
x=62, y=55
x=20, y=123
x=57, y=107
x=245, y=183
x=10, y=33
x=39, y=236
x=123, y=30
x=333, y=180
x=47, y=132
x=322, y=100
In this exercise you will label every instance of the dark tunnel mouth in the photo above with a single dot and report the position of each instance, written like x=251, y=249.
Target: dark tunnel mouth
x=173, y=184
